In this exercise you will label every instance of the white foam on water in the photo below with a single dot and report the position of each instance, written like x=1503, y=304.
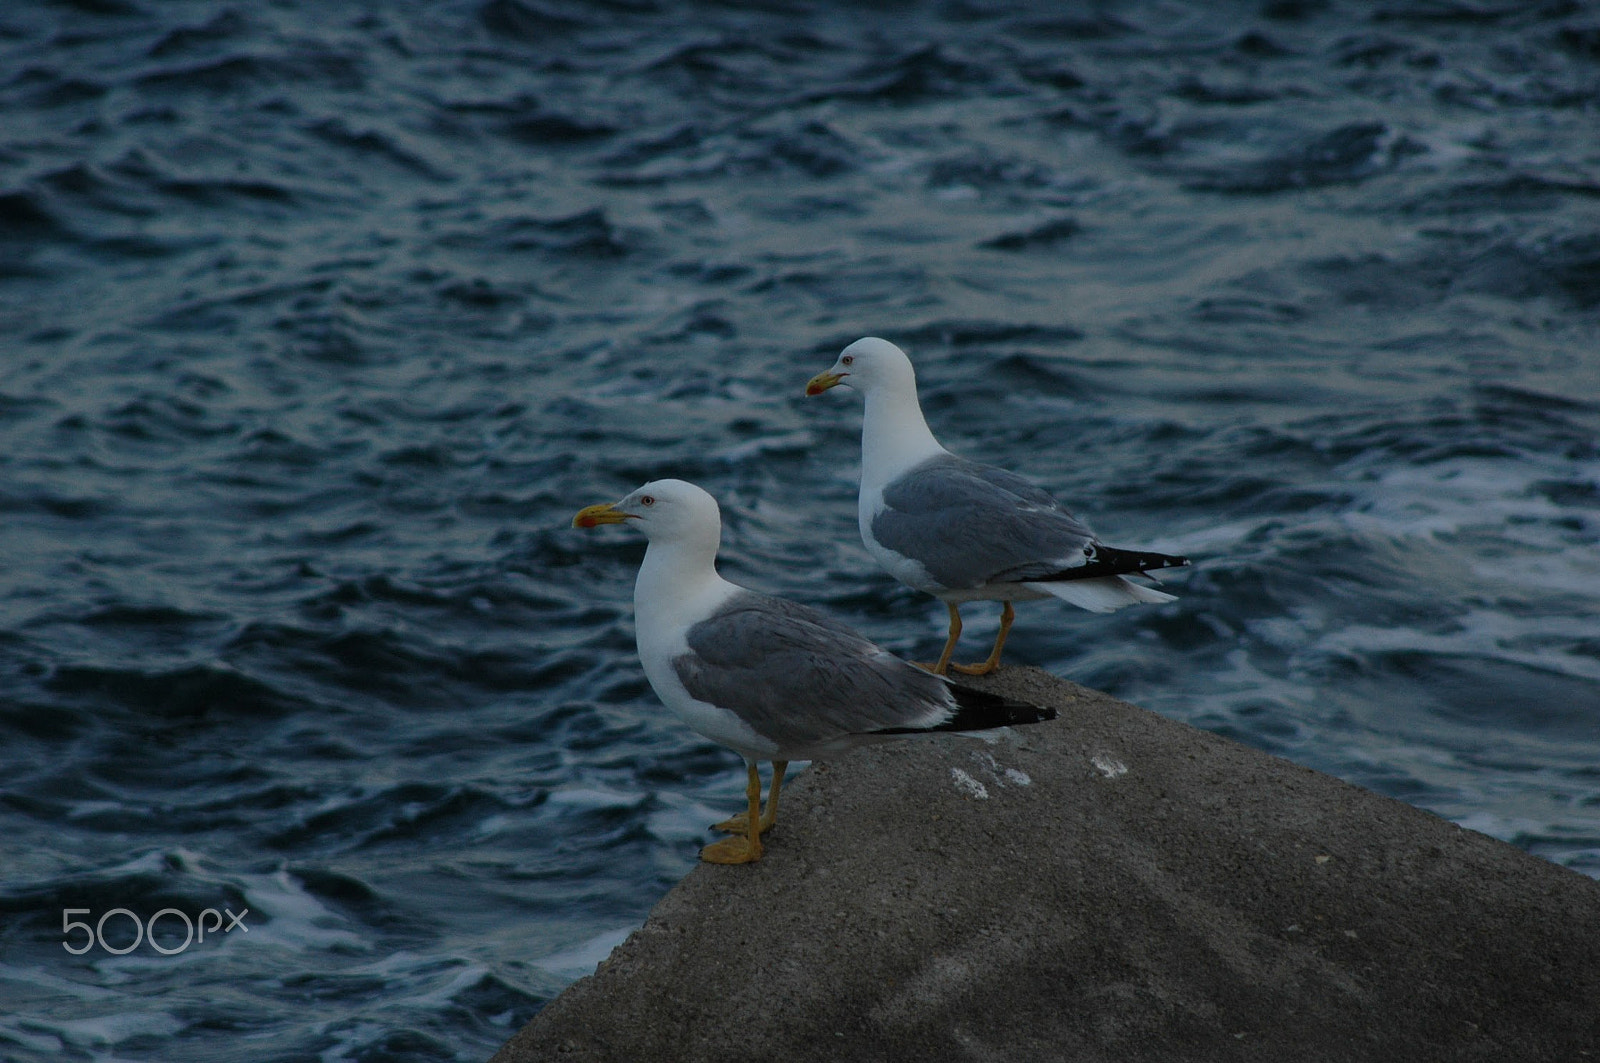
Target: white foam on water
x=80, y=809
x=348, y=1040
x=683, y=818
x=798, y=442
x=594, y=797
x=414, y=984
x=12, y=1029
x=1436, y=502
x=103, y=1030
x=1506, y=828
x=33, y=993
x=583, y=958
x=1500, y=494
x=422, y=981
x=1479, y=633
x=295, y=919
x=490, y=826
x=39, y=978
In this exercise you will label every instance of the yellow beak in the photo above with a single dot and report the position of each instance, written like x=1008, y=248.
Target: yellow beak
x=604, y=513
x=822, y=382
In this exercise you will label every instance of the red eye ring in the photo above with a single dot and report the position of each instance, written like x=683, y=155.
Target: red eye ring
x=647, y=500
x=848, y=359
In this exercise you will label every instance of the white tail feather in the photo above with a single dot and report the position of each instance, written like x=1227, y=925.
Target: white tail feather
x=1102, y=595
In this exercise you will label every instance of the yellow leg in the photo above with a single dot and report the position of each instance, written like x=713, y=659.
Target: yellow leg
x=741, y=850
x=1007, y=615
x=949, y=644
x=740, y=823
x=770, y=817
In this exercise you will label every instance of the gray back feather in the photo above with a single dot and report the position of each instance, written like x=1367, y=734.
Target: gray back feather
x=970, y=524
x=799, y=677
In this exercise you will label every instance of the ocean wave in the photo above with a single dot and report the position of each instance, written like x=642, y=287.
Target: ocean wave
x=1350, y=153
x=196, y=694
x=322, y=328
x=237, y=73
x=24, y=216
x=1042, y=236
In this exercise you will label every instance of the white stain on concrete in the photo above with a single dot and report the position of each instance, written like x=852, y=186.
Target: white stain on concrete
x=968, y=785
x=1108, y=765
x=1001, y=777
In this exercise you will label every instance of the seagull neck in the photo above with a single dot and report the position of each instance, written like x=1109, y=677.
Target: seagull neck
x=674, y=575
x=894, y=436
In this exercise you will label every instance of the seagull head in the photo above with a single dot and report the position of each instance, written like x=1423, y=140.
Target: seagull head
x=867, y=365
x=661, y=509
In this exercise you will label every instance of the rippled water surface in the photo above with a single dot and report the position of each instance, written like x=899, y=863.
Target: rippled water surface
x=320, y=321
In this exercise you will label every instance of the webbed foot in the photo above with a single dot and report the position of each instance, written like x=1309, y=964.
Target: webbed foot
x=742, y=849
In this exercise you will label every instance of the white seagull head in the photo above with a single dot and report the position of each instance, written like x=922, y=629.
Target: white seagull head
x=664, y=510
x=868, y=365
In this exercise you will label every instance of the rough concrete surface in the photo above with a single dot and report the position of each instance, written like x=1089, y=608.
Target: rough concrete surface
x=1109, y=886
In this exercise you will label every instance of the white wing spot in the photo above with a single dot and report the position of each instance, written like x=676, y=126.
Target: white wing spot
x=968, y=785
x=1108, y=765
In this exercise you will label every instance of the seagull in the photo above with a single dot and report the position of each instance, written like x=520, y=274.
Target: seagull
x=769, y=678
x=964, y=531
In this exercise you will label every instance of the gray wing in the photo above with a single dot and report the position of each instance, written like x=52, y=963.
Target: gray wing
x=971, y=524
x=799, y=677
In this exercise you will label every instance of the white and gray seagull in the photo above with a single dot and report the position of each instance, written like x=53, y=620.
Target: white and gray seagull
x=768, y=678
x=964, y=531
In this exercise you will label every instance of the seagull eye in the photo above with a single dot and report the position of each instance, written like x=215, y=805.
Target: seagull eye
x=848, y=359
x=647, y=500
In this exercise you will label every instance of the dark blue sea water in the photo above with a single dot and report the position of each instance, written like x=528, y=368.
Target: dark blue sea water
x=321, y=319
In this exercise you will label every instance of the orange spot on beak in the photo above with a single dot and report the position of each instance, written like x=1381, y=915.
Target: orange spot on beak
x=594, y=516
x=823, y=381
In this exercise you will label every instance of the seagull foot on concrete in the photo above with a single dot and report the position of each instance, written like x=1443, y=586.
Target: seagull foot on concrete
x=740, y=824
x=739, y=850
x=1007, y=615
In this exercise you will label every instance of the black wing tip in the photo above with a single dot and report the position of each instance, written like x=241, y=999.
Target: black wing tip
x=979, y=710
x=1100, y=560
x=1139, y=560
